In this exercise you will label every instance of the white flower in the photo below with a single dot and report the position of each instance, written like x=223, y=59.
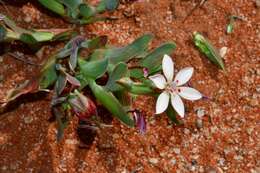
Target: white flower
x=172, y=89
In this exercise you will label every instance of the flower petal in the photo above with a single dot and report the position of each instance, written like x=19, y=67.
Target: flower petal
x=168, y=67
x=158, y=80
x=162, y=102
x=183, y=76
x=189, y=93
x=177, y=104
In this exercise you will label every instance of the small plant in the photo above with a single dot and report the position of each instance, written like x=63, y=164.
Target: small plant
x=230, y=26
x=103, y=76
x=206, y=47
x=9, y=32
x=78, y=11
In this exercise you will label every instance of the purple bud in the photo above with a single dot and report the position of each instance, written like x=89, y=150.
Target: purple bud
x=139, y=121
x=146, y=72
x=83, y=106
x=206, y=98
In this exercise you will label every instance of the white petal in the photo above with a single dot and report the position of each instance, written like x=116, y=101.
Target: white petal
x=189, y=93
x=168, y=67
x=183, y=76
x=158, y=80
x=177, y=104
x=162, y=102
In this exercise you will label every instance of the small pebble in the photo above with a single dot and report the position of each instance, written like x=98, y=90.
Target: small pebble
x=173, y=161
x=199, y=123
x=257, y=2
x=27, y=19
x=153, y=161
x=200, y=112
x=71, y=141
x=177, y=150
x=28, y=120
x=223, y=51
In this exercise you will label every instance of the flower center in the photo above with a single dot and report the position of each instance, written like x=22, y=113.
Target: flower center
x=172, y=87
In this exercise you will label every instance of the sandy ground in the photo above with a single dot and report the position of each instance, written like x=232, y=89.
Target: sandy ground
x=225, y=139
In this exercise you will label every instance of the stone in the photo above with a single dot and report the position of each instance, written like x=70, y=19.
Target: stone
x=176, y=150
x=223, y=51
x=173, y=161
x=71, y=141
x=28, y=120
x=154, y=161
x=200, y=112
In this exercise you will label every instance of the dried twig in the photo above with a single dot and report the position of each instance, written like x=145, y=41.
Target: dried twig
x=18, y=57
x=201, y=3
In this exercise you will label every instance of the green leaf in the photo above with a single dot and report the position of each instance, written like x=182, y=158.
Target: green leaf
x=109, y=101
x=48, y=73
x=28, y=39
x=95, y=43
x=60, y=84
x=119, y=71
x=97, y=54
x=207, y=49
x=154, y=59
x=73, y=58
x=83, y=81
x=61, y=122
x=172, y=115
x=135, y=87
x=230, y=28
x=2, y=33
x=87, y=11
x=93, y=69
x=42, y=36
x=54, y=6
x=72, y=4
x=128, y=52
x=111, y=4
x=136, y=73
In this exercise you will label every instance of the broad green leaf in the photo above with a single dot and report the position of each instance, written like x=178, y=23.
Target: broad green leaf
x=136, y=73
x=72, y=7
x=93, y=69
x=154, y=59
x=207, y=48
x=60, y=84
x=48, y=73
x=42, y=36
x=97, y=54
x=54, y=6
x=73, y=4
x=28, y=39
x=83, y=81
x=95, y=43
x=135, y=87
x=111, y=4
x=119, y=71
x=87, y=11
x=109, y=101
x=128, y=52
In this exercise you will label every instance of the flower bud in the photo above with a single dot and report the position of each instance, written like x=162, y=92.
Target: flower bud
x=83, y=106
